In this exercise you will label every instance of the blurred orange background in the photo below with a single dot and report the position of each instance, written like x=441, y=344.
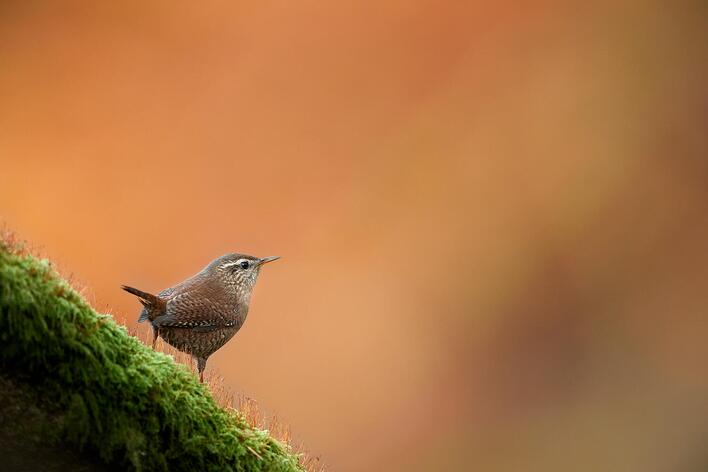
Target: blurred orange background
x=493, y=217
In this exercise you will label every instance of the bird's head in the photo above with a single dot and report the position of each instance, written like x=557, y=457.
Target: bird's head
x=239, y=271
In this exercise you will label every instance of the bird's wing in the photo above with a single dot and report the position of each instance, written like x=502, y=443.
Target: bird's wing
x=197, y=309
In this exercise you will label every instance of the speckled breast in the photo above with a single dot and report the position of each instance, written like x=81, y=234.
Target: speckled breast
x=198, y=343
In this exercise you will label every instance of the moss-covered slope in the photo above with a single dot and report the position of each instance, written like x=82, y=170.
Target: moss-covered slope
x=107, y=393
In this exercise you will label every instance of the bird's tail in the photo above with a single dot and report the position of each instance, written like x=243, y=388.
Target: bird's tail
x=153, y=305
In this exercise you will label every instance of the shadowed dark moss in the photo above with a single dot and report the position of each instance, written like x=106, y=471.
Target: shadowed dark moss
x=108, y=394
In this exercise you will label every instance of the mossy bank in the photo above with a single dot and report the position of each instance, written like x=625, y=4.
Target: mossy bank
x=97, y=390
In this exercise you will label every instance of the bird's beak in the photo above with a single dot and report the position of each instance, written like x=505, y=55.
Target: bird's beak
x=266, y=260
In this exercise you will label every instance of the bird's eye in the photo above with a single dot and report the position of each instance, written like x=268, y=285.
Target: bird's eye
x=245, y=265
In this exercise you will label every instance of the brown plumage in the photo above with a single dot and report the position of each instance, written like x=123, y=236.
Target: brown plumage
x=201, y=314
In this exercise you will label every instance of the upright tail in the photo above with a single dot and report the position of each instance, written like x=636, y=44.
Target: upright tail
x=153, y=305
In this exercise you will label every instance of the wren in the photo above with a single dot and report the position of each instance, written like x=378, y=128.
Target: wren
x=201, y=314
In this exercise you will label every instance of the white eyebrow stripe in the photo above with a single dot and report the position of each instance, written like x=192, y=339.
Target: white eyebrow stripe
x=229, y=264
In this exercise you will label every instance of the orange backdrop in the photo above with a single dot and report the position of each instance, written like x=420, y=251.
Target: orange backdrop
x=493, y=217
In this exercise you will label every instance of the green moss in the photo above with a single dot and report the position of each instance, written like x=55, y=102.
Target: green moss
x=110, y=395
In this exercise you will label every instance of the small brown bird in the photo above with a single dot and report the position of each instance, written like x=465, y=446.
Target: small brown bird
x=201, y=314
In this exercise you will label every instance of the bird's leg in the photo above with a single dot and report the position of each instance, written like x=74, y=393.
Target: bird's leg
x=201, y=364
x=154, y=337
